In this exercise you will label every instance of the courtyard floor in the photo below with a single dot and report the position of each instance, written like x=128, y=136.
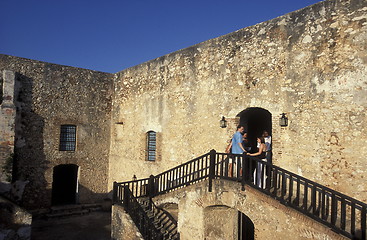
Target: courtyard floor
x=92, y=226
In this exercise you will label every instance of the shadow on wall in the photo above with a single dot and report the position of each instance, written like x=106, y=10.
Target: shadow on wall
x=29, y=159
x=67, y=191
x=89, y=196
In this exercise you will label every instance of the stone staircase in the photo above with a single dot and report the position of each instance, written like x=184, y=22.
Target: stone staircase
x=162, y=220
x=343, y=214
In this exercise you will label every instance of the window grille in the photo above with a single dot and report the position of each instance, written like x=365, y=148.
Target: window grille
x=67, y=138
x=151, y=145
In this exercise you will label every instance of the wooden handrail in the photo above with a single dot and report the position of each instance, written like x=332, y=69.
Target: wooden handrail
x=144, y=223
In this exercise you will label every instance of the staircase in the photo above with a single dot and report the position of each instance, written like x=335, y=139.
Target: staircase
x=343, y=214
x=153, y=223
x=162, y=220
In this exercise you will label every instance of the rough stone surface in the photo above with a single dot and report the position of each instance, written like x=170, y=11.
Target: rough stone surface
x=310, y=64
x=7, y=122
x=15, y=222
x=48, y=96
x=123, y=227
x=212, y=215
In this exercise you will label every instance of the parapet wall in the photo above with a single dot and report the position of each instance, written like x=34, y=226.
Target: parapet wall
x=310, y=64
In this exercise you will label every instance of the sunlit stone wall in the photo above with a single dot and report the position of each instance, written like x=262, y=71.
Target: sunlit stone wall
x=310, y=64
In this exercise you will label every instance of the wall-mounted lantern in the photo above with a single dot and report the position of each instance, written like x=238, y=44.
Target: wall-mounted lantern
x=223, y=122
x=283, y=120
x=134, y=177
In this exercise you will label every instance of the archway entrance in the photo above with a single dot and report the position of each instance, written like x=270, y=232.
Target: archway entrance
x=255, y=120
x=246, y=228
x=64, y=184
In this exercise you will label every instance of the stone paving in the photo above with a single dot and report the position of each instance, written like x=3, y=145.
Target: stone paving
x=93, y=226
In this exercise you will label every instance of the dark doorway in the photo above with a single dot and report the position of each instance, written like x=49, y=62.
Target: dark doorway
x=255, y=120
x=64, y=184
x=246, y=228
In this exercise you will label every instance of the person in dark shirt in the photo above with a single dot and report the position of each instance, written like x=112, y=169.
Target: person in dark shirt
x=245, y=143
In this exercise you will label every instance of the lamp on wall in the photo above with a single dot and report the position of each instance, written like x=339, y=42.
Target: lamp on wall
x=283, y=120
x=223, y=122
x=134, y=177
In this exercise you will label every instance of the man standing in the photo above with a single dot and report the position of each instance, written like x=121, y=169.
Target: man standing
x=237, y=148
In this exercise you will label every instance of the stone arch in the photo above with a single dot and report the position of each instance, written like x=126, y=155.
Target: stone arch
x=224, y=222
x=195, y=203
x=65, y=184
x=255, y=120
x=246, y=228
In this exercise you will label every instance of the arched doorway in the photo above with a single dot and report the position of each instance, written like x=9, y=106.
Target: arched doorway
x=64, y=184
x=246, y=228
x=255, y=120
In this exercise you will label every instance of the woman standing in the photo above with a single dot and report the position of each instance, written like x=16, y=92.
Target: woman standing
x=261, y=155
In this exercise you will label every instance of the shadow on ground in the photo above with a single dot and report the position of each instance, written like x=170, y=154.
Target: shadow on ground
x=92, y=226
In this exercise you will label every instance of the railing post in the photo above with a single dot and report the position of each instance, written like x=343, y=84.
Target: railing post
x=114, y=196
x=126, y=197
x=334, y=209
x=211, y=168
x=269, y=170
x=363, y=223
x=244, y=171
x=151, y=186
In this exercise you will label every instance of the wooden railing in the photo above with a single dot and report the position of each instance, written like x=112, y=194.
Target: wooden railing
x=163, y=220
x=144, y=223
x=343, y=214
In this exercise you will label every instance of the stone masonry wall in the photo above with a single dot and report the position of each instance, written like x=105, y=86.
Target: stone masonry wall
x=51, y=95
x=310, y=64
x=7, y=123
x=271, y=219
x=122, y=226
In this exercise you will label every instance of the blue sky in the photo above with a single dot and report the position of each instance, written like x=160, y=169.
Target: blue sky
x=111, y=35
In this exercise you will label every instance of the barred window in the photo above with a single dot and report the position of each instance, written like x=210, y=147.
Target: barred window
x=67, y=138
x=151, y=145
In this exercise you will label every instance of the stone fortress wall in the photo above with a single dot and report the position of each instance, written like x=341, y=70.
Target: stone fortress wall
x=49, y=95
x=310, y=64
x=7, y=123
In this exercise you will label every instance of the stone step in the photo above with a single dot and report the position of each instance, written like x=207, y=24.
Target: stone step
x=67, y=214
x=66, y=210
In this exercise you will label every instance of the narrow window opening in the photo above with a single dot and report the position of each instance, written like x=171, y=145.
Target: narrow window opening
x=151, y=145
x=67, y=138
